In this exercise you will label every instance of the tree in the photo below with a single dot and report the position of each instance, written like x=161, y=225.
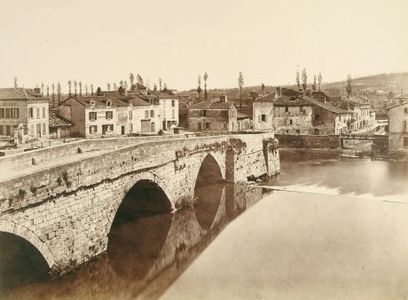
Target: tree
x=98, y=91
x=205, y=85
x=199, y=87
x=348, y=88
x=263, y=88
x=160, y=84
x=115, y=88
x=48, y=90
x=15, y=82
x=53, y=94
x=240, y=86
x=304, y=79
x=42, y=88
x=80, y=88
x=132, y=79
x=298, y=79
x=75, y=87
x=59, y=92
x=314, y=83
x=69, y=87
x=108, y=86
x=92, y=89
x=319, y=79
x=86, y=90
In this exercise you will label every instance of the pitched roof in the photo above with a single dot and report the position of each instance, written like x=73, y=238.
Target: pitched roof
x=397, y=105
x=100, y=101
x=266, y=98
x=291, y=101
x=57, y=121
x=327, y=106
x=242, y=116
x=20, y=94
x=212, y=105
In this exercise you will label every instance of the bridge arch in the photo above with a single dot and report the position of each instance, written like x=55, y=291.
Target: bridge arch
x=10, y=227
x=145, y=178
x=210, y=170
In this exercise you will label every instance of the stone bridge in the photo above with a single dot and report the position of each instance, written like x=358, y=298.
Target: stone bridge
x=66, y=210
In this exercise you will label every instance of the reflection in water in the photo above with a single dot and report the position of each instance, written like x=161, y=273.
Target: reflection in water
x=20, y=262
x=148, y=247
x=207, y=200
x=139, y=230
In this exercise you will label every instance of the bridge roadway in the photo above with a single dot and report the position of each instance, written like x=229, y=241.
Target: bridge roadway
x=65, y=204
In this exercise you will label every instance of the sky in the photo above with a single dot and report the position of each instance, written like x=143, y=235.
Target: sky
x=97, y=41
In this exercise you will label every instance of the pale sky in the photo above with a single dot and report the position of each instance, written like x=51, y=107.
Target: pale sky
x=96, y=41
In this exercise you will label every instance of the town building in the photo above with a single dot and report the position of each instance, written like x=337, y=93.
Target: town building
x=95, y=116
x=58, y=126
x=23, y=113
x=262, y=112
x=398, y=127
x=307, y=115
x=170, y=108
x=215, y=115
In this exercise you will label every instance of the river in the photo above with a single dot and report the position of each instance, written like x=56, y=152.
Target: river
x=322, y=229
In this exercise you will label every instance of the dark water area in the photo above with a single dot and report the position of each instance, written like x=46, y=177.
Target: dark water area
x=149, y=246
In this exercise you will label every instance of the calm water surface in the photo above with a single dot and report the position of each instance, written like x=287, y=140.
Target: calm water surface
x=322, y=229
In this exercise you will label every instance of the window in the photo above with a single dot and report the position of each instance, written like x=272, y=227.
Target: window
x=146, y=114
x=8, y=132
x=207, y=125
x=263, y=118
x=290, y=122
x=108, y=103
x=173, y=114
x=93, y=129
x=1, y=112
x=109, y=115
x=1, y=129
x=152, y=129
x=43, y=112
x=15, y=113
x=130, y=115
x=406, y=110
x=172, y=103
x=92, y=103
x=38, y=112
x=31, y=112
x=131, y=127
x=92, y=116
x=44, y=129
x=7, y=113
x=32, y=131
x=286, y=108
x=203, y=113
x=405, y=142
x=404, y=126
x=152, y=114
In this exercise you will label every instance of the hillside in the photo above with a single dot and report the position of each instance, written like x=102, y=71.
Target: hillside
x=373, y=84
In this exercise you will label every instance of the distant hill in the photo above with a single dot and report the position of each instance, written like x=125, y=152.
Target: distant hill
x=380, y=83
x=373, y=84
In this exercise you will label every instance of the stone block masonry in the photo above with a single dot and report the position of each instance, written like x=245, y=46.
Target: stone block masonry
x=66, y=212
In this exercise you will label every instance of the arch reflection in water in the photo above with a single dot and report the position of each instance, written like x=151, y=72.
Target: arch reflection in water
x=20, y=263
x=208, y=192
x=139, y=230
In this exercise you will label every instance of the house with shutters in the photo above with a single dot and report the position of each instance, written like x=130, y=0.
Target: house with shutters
x=95, y=116
x=23, y=112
